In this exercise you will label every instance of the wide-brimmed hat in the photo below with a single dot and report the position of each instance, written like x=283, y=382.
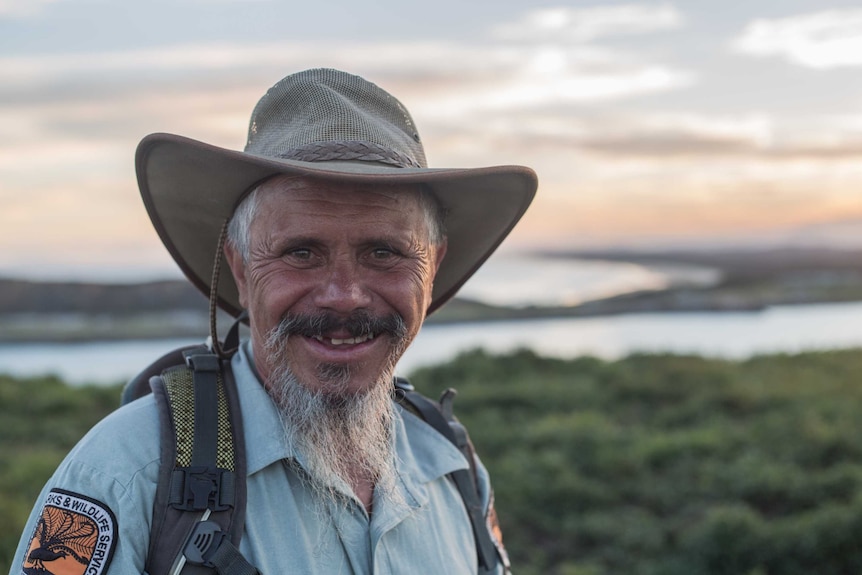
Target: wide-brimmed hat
x=333, y=126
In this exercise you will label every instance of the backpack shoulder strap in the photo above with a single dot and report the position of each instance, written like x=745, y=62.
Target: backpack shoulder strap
x=440, y=416
x=199, y=509
x=139, y=386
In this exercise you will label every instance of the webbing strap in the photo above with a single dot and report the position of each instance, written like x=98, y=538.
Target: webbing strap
x=463, y=478
x=205, y=370
x=227, y=560
x=209, y=547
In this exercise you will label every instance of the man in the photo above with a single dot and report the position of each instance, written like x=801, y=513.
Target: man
x=339, y=241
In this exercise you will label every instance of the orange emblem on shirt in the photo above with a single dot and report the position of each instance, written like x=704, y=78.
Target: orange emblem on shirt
x=74, y=535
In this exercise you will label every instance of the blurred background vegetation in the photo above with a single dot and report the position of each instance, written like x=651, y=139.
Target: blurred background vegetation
x=43, y=418
x=649, y=465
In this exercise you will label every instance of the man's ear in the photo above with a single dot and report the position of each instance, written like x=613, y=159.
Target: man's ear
x=237, y=268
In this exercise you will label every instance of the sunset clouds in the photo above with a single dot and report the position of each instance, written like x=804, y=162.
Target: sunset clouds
x=827, y=39
x=645, y=121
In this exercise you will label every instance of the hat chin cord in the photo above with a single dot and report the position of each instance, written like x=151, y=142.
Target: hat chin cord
x=213, y=341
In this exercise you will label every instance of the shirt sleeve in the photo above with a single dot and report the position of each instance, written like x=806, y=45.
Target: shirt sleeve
x=93, y=516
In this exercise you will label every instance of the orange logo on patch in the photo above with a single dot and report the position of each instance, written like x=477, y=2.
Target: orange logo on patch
x=75, y=535
x=497, y=533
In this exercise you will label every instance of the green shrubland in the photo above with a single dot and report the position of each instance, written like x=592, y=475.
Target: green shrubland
x=42, y=419
x=669, y=465
x=650, y=465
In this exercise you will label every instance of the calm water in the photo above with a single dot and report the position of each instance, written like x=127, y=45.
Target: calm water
x=520, y=280
x=732, y=335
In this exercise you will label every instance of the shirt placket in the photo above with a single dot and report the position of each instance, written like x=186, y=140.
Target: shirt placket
x=352, y=524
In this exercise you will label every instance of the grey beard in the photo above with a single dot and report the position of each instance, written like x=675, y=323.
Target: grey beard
x=342, y=436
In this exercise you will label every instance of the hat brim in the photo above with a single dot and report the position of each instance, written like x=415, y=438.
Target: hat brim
x=190, y=188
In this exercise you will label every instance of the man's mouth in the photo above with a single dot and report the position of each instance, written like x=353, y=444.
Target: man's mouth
x=341, y=334
x=345, y=341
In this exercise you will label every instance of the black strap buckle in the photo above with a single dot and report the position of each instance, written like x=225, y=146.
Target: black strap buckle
x=200, y=488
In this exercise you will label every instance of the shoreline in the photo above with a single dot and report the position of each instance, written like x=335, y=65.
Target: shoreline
x=746, y=281
x=125, y=329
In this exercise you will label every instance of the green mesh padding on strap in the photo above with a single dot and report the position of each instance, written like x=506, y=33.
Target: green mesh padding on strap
x=180, y=388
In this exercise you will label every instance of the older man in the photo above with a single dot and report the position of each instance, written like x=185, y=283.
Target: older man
x=339, y=241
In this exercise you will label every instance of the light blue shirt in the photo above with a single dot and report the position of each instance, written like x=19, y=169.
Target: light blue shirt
x=287, y=529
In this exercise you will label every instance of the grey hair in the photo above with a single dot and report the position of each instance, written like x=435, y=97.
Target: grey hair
x=239, y=228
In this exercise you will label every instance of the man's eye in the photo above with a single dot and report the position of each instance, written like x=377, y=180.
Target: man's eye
x=299, y=254
x=381, y=254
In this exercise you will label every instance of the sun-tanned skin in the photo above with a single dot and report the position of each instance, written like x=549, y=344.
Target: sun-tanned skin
x=318, y=246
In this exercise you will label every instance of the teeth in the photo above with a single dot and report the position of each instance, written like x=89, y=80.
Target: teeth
x=346, y=341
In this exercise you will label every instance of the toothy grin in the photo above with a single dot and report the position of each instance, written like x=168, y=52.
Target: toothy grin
x=346, y=341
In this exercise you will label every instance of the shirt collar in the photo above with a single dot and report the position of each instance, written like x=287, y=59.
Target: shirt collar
x=264, y=433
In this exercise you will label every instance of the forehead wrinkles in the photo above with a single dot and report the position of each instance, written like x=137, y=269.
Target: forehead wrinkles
x=330, y=198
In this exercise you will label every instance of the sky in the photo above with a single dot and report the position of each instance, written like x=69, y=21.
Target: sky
x=648, y=124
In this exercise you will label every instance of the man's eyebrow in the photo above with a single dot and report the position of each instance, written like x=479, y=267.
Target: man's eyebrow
x=389, y=239
x=278, y=243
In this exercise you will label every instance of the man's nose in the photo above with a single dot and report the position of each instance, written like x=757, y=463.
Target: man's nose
x=343, y=288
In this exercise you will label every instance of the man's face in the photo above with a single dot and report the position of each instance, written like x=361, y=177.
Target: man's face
x=319, y=249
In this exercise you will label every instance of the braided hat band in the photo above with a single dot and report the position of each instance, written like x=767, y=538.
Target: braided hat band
x=350, y=152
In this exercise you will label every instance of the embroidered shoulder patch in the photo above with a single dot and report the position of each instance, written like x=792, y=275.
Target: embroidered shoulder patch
x=75, y=535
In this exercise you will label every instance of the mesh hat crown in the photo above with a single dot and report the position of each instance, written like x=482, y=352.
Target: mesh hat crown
x=327, y=125
x=326, y=115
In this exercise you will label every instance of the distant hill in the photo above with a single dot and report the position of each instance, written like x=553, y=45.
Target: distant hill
x=22, y=296
x=845, y=233
x=32, y=311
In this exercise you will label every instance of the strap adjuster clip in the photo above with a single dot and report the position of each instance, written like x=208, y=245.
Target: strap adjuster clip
x=202, y=543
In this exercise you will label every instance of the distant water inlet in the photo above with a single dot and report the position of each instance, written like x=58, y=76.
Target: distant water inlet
x=731, y=335
x=787, y=329
x=522, y=281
